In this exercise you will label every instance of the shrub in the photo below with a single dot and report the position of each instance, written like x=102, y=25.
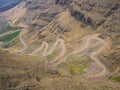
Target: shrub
x=114, y=78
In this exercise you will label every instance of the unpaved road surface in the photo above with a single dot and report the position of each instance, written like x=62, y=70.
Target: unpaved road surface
x=45, y=47
x=22, y=42
x=94, y=54
x=94, y=57
x=61, y=57
x=45, y=51
x=39, y=49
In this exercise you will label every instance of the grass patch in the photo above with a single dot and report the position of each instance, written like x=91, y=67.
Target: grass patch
x=9, y=37
x=75, y=64
x=53, y=55
x=114, y=78
x=29, y=49
x=52, y=40
x=10, y=43
x=5, y=26
x=76, y=70
x=36, y=57
x=6, y=45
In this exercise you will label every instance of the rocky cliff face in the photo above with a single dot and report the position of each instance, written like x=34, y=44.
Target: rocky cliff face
x=38, y=12
x=93, y=12
x=102, y=16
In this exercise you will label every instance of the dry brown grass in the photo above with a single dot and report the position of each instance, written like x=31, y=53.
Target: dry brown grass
x=30, y=73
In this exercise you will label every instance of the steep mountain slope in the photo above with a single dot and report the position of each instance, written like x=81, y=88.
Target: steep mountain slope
x=37, y=13
x=14, y=14
x=46, y=10
x=81, y=18
x=40, y=10
x=74, y=38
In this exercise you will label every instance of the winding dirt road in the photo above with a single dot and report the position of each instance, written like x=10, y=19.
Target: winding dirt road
x=58, y=41
x=22, y=42
x=93, y=55
x=39, y=49
x=84, y=46
x=61, y=57
x=47, y=52
x=45, y=47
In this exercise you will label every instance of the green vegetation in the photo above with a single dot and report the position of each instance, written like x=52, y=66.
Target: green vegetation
x=9, y=37
x=30, y=49
x=52, y=40
x=53, y=55
x=76, y=70
x=114, y=78
x=5, y=26
x=75, y=64
x=115, y=0
x=6, y=45
x=112, y=59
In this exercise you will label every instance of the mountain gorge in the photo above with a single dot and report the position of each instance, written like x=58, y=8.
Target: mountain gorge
x=61, y=45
